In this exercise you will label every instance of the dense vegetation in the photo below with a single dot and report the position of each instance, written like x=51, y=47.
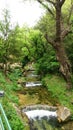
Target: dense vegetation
x=24, y=45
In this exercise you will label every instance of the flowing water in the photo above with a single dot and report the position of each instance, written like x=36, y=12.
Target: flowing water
x=39, y=118
x=42, y=119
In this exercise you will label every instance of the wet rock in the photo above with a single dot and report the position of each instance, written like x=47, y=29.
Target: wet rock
x=63, y=113
x=39, y=106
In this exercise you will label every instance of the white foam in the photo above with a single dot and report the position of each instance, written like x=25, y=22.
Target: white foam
x=40, y=113
x=32, y=84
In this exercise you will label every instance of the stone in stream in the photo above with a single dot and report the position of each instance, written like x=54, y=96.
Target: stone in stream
x=63, y=113
x=39, y=107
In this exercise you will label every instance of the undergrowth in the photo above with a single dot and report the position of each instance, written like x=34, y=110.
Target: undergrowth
x=9, y=86
x=57, y=87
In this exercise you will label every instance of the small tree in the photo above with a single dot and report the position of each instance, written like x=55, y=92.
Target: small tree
x=5, y=30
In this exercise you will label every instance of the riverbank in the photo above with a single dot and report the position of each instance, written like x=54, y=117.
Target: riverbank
x=52, y=93
x=56, y=85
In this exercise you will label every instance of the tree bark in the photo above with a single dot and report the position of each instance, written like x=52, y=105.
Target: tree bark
x=62, y=58
x=65, y=66
x=57, y=43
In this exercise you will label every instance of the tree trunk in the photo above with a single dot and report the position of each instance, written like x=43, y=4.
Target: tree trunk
x=57, y=43
x=65, y=66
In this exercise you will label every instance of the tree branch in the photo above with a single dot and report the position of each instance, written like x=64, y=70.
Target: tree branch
x=50, y=41
x=49, y=10
x=53, y=3
x=62, y=2
x=65, y=33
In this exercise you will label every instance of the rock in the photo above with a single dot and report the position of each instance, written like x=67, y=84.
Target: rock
x=15, y=65
x=63, y=113
x=39, y=106
x=19, y=81
x=1, y=93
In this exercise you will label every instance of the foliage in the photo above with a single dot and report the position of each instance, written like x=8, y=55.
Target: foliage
x=62, y=26
x=13, y=43
x=25, y=60
x=18, y=42
x=47, y=63
x=14, y=75
x=14, y=119
x=2, y=78
x=47, y=25
x=30, y=45
x=69, y=47
x=5, y=30
x=44, y=57
x=9, y=86
x=37, y=44
x=56, y=86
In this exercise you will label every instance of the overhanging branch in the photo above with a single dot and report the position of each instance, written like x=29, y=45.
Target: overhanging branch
x=53, y=3
x=65, y=33
x=50, y=41
x=49, y=10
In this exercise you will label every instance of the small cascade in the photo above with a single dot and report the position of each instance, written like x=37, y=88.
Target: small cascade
x=32, y=79
x=33, y=114
x=33, y=84
x=32, y=74
x=36, y=104
x=40, y=117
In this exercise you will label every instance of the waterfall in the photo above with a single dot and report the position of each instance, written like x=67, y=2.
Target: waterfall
x=33, y=114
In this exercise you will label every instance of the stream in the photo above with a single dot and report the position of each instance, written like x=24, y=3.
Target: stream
x=35, y=102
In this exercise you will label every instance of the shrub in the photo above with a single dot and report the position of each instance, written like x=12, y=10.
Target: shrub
x=14, y=119
x=47, y=64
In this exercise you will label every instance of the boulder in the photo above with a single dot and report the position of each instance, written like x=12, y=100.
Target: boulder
x=15, y=65
x=63, y=113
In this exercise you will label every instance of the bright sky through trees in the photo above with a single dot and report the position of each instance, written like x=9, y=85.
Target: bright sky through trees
x=22, y=13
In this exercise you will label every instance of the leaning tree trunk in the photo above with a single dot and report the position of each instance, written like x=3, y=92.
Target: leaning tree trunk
x=65, y=66
x=57, y=42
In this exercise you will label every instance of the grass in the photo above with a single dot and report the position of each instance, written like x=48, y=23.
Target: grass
x=9, y=86
x=57, y=87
